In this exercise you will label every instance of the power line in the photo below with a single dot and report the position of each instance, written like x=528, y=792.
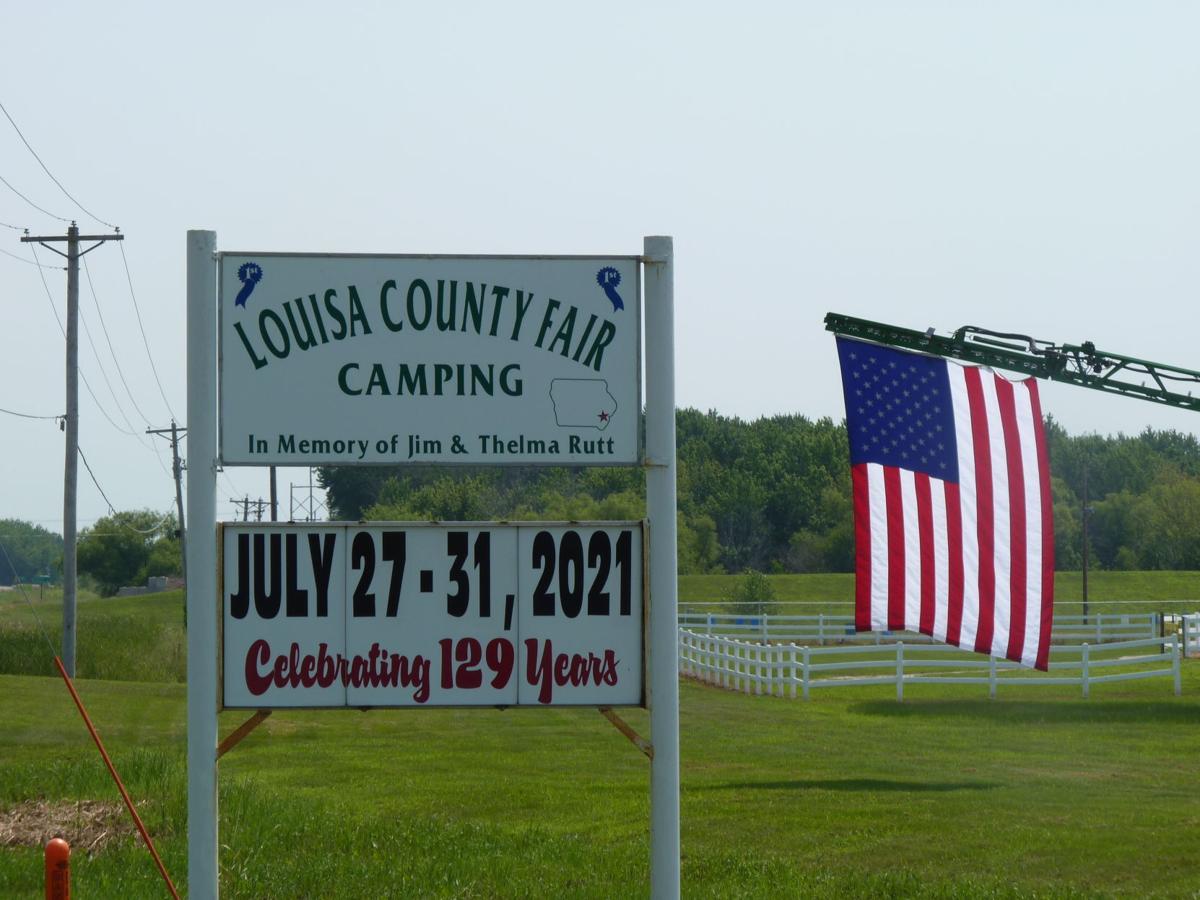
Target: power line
x=82, y=377
x=95, y=482
x=142, y=329
x=13, y=227
x=36, y=617
x=26, y=415
x=51, y=174
x=47, y=212
x=27, y=262
x=108, y=339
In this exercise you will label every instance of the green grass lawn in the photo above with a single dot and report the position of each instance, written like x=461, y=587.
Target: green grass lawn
x=1038, y=793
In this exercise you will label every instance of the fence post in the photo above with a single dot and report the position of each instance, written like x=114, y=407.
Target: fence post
x=776, y=671
x=792, y=671
x=1084, y=676
x=899, y=671
x=763, y=628
x=1099, y=628
x=806, y=661
x=1175, y=663
x=821, y=629
x=991, y=677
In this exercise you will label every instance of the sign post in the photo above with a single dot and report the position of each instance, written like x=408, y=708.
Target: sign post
x=393, y=360
x=659, y=264
x=202, y=563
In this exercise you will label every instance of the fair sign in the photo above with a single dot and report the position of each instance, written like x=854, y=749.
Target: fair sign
x=452, y=614
x=482, y=360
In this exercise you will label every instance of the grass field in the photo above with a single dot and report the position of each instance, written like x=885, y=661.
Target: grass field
x=1038, y=793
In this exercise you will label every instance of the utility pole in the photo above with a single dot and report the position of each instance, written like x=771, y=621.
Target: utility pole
x=1087, y=511
x=177, y=470
x=71, y=467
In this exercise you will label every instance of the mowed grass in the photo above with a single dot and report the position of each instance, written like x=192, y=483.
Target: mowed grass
x=1038, y=793
x=1108, y=592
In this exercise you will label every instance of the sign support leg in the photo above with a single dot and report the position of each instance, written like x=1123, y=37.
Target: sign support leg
x=663, y=691
x=202, y=563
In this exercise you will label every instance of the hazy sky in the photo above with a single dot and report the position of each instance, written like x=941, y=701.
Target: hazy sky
x=1025, y=167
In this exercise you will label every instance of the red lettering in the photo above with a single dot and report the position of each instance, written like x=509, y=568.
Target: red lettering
x=546, y=669
x=259, y=653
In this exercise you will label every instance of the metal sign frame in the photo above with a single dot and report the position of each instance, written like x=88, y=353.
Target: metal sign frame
x=662, y=681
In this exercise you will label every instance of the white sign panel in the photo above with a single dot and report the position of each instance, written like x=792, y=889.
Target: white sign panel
x=429, y=359
x=413, y=614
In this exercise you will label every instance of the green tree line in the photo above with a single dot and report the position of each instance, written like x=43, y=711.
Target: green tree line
x=774, y=495
x=771, y=495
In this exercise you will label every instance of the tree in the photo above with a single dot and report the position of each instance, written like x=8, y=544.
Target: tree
x=28, y=551
x=117, y=550
x=751, y=594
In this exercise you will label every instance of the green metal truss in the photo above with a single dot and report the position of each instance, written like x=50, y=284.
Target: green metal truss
x=1083, y=365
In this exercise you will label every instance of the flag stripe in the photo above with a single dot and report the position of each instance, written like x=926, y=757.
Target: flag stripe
x=894, y=517
x=941, y=559
x=1047, y=570
x=862, y=548
x=927, y=583
x=956, y=580
x=985, y=512
x=961, y=526
x=912, y=547
x=879, y=549
x=1015, y=643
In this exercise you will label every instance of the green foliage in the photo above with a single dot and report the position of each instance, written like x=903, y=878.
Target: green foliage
x=121, y=549
x=775, y=495
x=28, y=551
x=752, y=593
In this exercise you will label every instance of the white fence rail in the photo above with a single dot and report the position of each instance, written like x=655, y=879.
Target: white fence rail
x=790, y=669
x=1189, y=634
x=822, y=629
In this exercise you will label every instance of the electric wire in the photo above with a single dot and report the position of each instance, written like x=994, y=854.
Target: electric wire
x=28, y=262
x=47, y=212
x=36, y=615
x=13, y=227
x=82, y=377
x=112, y=510
x=142, y=329
x=49, y=173
x=108, y=383
x=108, y=339
x=26, y=415
x=95, y=482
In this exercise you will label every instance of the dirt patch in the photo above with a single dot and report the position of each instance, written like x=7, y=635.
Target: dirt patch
x=87, y=825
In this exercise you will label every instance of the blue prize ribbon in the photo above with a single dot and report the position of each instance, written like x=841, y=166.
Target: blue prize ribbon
x=250, y=274
x=608, y=278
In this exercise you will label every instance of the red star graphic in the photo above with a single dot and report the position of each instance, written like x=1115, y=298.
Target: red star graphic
x=603, y=416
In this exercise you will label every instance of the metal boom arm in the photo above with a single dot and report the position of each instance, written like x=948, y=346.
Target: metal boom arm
x=1082, y=364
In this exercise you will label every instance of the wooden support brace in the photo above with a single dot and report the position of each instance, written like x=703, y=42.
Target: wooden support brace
x=235, y=737
x=624, y=727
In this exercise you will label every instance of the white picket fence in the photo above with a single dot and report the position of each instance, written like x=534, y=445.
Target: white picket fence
x=1189, y=634
x=822, y=629
x=789, y=669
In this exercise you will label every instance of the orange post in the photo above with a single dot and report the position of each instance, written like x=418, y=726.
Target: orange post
x=58, y=870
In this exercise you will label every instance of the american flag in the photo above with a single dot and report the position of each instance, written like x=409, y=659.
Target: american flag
x=953, y=523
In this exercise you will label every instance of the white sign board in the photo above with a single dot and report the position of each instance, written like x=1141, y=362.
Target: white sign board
x=412, y=614
x=429, y=359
